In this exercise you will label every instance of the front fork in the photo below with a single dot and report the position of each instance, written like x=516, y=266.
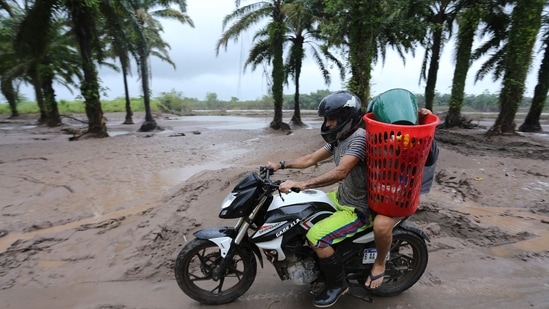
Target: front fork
x=230, y=239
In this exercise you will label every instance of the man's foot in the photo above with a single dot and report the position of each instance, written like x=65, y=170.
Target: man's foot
x=329, y=296
x=374, y=281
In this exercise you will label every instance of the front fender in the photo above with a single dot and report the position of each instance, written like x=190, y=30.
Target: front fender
x=223, y=238
x=215, y=232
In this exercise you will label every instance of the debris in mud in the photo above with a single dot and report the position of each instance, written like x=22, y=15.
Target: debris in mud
x=103, y=225
x=447, y=222
x=528, y=256
x=470, y=143
x=459, y=186
x=19, y=254
x=540, y=207
x=177, y=134
x=39, y=226
x=111, y=307
x=159, y=248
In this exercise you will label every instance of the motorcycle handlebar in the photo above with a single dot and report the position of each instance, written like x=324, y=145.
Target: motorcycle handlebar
x=267, y=171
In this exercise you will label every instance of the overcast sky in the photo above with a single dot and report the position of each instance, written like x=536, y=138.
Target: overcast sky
x=199, y=71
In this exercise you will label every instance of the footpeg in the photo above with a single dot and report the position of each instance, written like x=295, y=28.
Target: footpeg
x=359, y=291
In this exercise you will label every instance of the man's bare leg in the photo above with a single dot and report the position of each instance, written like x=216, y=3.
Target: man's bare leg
x=323, y=252
x=383, y=236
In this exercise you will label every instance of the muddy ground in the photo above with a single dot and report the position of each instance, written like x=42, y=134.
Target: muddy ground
x=98, y=223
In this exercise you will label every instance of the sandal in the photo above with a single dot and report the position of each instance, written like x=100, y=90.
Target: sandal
x=373, y=278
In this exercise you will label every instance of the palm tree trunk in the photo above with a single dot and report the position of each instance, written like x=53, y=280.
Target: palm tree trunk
x=8, y=91
x=39, y=99
x=129, y=112
x=531, y=122
x=296, y=118
x=277, y=41
x=468, y=22
x=433, y=69
x=90, y=91
x=90, y=84
x=150, y=123
x=52, y=112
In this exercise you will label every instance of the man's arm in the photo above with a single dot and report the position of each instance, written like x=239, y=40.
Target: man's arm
x=304, y=161
x=334, y=175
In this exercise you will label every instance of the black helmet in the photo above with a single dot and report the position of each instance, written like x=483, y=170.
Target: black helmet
x=347, y=108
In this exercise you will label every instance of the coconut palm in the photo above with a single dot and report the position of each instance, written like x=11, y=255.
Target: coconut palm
x=495, y=28
x=146, y=12
x=122, y=49
x=510, y=43
x=363, y=29
x=268, y=46
x=7, y=60
x=303, y=34
x=54, y=59
x=525, y=25
x=440, y=21
x=7, y=5
x=33, y=39
x=468, y=21
x=7, y=30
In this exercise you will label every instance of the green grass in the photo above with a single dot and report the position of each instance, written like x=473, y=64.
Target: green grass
x=77, y=107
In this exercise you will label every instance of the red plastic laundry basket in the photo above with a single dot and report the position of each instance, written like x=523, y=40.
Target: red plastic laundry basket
x=395, y=158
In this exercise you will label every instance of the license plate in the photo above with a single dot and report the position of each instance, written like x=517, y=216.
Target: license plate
x=370, y=256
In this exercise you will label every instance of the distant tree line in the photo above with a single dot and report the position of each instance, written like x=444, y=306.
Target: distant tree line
x=176, y=102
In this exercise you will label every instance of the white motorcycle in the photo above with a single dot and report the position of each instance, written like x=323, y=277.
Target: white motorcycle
x=220, y=265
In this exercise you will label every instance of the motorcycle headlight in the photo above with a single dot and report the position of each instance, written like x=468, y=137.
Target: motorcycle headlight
x=228, y=200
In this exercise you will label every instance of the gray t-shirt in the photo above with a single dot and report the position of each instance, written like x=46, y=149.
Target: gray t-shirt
x=352, y=190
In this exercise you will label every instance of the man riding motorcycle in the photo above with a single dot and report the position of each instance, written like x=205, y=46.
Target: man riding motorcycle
x=345, y=136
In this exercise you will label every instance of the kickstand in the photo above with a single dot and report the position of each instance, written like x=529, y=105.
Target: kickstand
x=357, y=293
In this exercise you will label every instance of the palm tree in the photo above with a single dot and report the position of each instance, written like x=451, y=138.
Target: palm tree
x=7, y=60
x=33, y=39
x=145, y=12
x=363, y=29
x=7, y=6
x=442, y=14
x=41, y=61
x=302, y=20
x=269, y=49
x=127, y=26
x=121, y=49
x=468, y=20
x=496, y=28
x=525, y=25
x=531, y=122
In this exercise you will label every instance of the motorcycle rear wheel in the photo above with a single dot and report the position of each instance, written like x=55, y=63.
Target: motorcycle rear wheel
x=194, y=267
x=408, y=259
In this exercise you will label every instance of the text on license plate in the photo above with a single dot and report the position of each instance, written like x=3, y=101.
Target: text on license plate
x=370, y=256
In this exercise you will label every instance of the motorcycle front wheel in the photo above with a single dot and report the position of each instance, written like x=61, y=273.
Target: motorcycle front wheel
x=408, y=259
x=195, y=269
